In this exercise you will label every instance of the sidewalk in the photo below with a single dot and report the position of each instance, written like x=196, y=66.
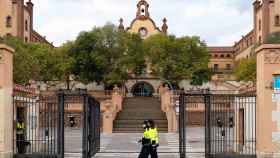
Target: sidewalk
x=124, y=145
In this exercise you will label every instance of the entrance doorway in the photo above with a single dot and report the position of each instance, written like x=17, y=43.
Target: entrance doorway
x=142, y=89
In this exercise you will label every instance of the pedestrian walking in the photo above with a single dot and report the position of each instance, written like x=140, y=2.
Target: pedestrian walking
x=153, y=132
x=146, y=141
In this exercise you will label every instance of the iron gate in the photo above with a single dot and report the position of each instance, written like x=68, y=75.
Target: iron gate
x=229, y=124
x=44, y=124
x=39, y=117
x=91, y=130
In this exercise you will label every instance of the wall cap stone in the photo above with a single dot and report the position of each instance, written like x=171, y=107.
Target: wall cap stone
x=5, y=47
x=267, y=46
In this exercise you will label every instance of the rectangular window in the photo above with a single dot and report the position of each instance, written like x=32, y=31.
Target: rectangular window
x=228, y=66
x=216, y=67
x=26, y=25
x=277, y=20
x=9, y=21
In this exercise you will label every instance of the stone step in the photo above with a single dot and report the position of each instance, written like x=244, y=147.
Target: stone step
x=141, y=118
x=138, y=125
x=136, y=130
x=140, y=121
x=140, y=115
x=135, y=111
x=143, y=106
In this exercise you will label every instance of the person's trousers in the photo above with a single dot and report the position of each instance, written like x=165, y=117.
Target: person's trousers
x=153, y=152
x=20, y=143
x=145, y=151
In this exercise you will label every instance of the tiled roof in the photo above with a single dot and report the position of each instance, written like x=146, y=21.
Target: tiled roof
x=20, y=88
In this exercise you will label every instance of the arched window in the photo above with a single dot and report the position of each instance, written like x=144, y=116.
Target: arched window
x=222, y=56
x=277, y=20
x=9, y=21
x=216, y=56
x=143, y=10
x=228, y=56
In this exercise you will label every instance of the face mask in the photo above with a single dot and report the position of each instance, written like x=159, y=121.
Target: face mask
x=144, y=126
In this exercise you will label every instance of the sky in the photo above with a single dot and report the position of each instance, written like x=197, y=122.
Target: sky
x=218, y=22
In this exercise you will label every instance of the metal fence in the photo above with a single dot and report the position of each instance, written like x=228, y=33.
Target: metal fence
x=39, y=124
x=229, y=125
x=39, y=118
x=232, y=126
x=92, y=128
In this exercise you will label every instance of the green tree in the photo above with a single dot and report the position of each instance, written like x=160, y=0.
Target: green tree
x=174, y=59
x=64, y=62
x=246, y=70
x=35, y=61
x=105, y=54
x=25, y=67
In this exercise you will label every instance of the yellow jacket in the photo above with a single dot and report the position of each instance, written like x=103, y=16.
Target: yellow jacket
x=20, y=128
x=153, y=132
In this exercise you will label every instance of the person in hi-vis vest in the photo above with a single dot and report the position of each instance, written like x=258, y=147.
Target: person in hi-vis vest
x=146, y=141
x=153, y=133
x=20, y=136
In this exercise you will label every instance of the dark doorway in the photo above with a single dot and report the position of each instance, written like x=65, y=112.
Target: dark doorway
x=143, y=89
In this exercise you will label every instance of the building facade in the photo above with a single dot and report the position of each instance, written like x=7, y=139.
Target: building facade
x=266, y=21
x=17, y=20
x=223, y=59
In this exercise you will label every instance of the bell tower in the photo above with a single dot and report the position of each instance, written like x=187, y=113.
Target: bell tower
x=142, y=10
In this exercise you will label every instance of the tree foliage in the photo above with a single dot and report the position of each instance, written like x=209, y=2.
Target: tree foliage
x=105, y=54
x=174, y=59
x=246, y=70
x=34, y=61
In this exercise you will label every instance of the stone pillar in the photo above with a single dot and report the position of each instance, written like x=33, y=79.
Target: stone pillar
x=268, y=112
x=110, y=109
x=108, y=116
x=6, y=106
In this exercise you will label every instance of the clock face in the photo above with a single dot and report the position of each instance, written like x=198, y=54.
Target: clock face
x=143, y=32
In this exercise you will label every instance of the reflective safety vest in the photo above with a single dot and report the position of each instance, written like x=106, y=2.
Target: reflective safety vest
x=146, y=137
x=153, y=132
x=20, y=128
x=146, y=134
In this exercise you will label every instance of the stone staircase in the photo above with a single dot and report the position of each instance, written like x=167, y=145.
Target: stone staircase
x=135, y=111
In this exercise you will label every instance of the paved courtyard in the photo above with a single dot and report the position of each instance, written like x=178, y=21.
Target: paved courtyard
x=124, y=145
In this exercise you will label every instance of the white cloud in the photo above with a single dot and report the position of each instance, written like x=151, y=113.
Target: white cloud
x=219, y=22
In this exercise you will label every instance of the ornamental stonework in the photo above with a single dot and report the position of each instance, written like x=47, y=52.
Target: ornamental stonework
x=272, y=57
